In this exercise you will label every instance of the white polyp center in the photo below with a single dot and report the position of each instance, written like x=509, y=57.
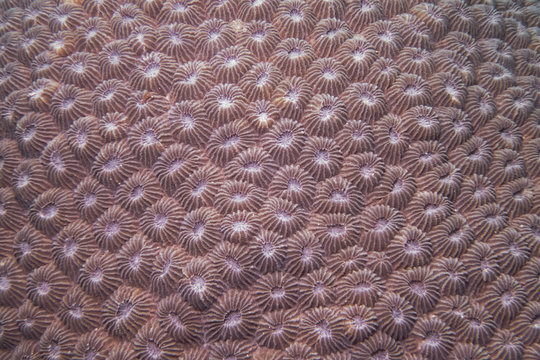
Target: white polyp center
x=25, y=248
x=331, y=33
x=336, y=230
x=160, y=220
x=149, y=138
x=363, y=287
x=358, y=55
x=135, y=261
x=198, y=284
x=359, y=323
x=393, y=135
x=412, y=247
x=112, y=229
x=188, y=121
x=225, y=102
x=233, y=264
x=283, y=215
x=325, y=114
x=381, y=225
x=240, y=226
x=76, y=311
x=232, y=319
x=307, y=254
x=231, y=141
x=239, y=197
x=296, y=15
x=49, y=211
x=78, y=67
x=277, y=292
x=112, y=164
x=90, y=199
x=198, y=229
x=152, y=70
x=57, y=162
x=23, y=179
x=285, y=139
x=36, y=93
x=329, y=74
x=154, y=350
x=93, y=31
x=96, y=276
x=192, y=78
x=232, y=61
x=258, y=36
x=199, y=188
x=322, y=157
x=263, y=118
x=367, y=99
x=179, y=6
x=176, y=39
x=386, y=36
x=137, y=192
x=252, y=166
x=366, y=171
x=338, y=196
x=295, y=53
x=412, y=90
x=29, y=132
x=323, y=329
x=124, y=311
x=43, y=288
x=292, y=95
x=68, y=103
x=294, y=185
x=418, y=288
x=262, y=78
x=70, y=247
x=114, y=59
x=268, y=250
x=4, y=283
x=398, y=186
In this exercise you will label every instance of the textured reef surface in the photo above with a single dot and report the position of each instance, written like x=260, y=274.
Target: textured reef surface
x=269, y=180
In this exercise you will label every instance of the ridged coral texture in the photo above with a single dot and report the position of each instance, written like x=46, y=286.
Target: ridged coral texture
x=269, y=179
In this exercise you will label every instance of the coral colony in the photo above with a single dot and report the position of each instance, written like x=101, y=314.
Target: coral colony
x=269, y=179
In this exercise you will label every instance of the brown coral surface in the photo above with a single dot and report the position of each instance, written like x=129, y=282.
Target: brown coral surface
x=269, y=179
